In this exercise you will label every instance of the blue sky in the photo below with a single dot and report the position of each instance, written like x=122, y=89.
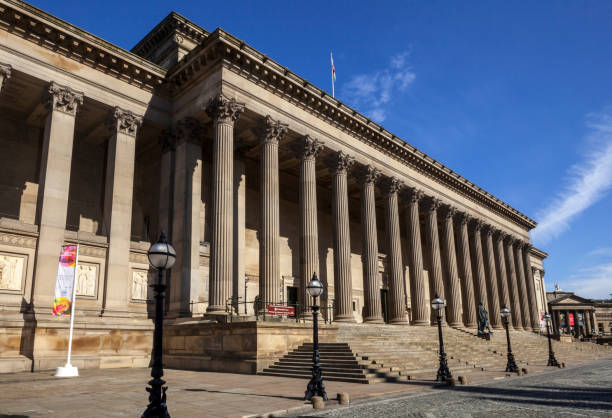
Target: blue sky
x=515, y=96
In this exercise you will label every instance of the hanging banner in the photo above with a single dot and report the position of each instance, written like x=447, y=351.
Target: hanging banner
x=64, y=283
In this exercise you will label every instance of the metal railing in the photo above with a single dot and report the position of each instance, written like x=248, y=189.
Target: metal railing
x=259, y=309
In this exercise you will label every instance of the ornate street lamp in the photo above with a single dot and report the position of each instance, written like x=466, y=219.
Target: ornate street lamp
x=315, y=386
x=161, y=257
x=552, y=361
x=511, y=365
x=437, y=304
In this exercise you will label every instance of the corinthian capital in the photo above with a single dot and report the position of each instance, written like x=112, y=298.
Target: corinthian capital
x=509, y=239
x=477, y=224
x=167, y=139
x=123, y=121
x=369, y=174
x=224, y=110
x=448, y=211
x=342, y=162
x=270, y=130
x=63, y=98
x=189, y=130
x=5, y=74
x=391, y=185
x=463, y=218
x=432, y=204
x=309, y=147
x=414, y=195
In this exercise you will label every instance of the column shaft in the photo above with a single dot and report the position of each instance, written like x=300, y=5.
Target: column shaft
x=467, y=283
x=522, y=286
x=531, y=291
x=480, y=282
x=492, y=280
x=55, y=165
x=420, y=313
x=435, y=267
x=309, y=230
x=342, y=241
x=512, y=283
x=453, y=294
x=118, y=196
x=397, y=310
x=373, y=310
x=271, y=133
x=238, y=284
x=224, y=113
x=500, y=264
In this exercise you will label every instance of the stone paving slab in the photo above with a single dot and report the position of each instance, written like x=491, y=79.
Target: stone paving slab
x=121, y=393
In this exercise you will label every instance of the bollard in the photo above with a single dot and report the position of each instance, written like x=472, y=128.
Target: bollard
x=317, y=402
x=450, y=381
x=343, y=398
x=519, y=372
x=525, y=370
x=463, y=380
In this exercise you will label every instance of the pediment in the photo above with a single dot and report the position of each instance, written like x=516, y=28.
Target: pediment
x=571, y=300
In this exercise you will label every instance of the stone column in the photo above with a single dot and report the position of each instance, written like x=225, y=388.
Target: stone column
x=587, y=326
x=435, y=269
x=522, y=285
x=453, y=294
x=185, y=238
x=5, y=74
x=118, y=193
x=557, y=322
x=500, y=264
x=166, y=187
x=369, y=257
x=480, y=281
x=531, y=291
x=224, y=113
x=397, y=310
x=494, y=315
x=343, y=281
x=512, y=283
x=309, y=229
x=270, y=133
x=55, y=164
x=238, y=283
x=594, y=321
x=467, y=283
x=420, y=313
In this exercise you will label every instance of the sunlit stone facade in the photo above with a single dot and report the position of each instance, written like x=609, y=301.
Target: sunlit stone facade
x=259, y=179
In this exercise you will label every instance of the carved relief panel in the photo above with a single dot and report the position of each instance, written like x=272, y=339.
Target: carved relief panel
x=140, y=284
x=12, y=271
x=87, y=279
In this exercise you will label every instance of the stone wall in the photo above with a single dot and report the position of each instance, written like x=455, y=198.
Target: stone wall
x=246, y=347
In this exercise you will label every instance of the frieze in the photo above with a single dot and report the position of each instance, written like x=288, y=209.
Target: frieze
x=96, y=252
x=87, y=279
x=140, y=282
x=12, y=271
x=139, y=258
x=18, y=240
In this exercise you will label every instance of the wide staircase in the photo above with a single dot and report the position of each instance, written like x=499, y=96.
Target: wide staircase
x=367, y=353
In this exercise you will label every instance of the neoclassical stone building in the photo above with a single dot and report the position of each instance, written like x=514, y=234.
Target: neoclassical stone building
x=259, y=178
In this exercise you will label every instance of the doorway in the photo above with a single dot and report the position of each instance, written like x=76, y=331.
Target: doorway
x=292, y=297
x=385, y=305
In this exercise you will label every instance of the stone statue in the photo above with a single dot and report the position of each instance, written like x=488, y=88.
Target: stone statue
x=483, y=320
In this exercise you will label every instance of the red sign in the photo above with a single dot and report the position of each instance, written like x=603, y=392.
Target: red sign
x=281, y=310
x=571, y=319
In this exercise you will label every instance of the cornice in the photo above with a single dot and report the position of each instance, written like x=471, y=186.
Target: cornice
x=538, y=253
x=166, y=28
x=222, y=47
x=41, y=28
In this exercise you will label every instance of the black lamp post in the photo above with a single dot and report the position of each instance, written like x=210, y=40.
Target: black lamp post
x=552, y=361
x=511, y=365
x=315, y=386
x=444, y=373
x=161, y=257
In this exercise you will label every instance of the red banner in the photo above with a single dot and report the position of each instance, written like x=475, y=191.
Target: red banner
x=571, y=320
x=281, y=310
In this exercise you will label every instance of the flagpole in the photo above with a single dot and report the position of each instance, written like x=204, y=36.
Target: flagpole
x=69, y=370
x=331, y=56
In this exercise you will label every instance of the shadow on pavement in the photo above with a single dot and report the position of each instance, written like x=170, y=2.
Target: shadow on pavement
x=294, y=398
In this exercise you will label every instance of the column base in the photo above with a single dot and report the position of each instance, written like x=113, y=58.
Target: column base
x=399, y=321
x=345, y=318
x=456, y=325
x=374, y=320
x=497, y=326
x=421, y=323
x=216, y=310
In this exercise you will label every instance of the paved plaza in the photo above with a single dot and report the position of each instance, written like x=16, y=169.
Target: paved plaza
x=584, y=391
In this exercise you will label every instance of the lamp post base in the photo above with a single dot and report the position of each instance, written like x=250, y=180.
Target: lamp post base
x=67, y=371
x=315, y=387
x=511, y=365
x=552, y=361
x=157, y=407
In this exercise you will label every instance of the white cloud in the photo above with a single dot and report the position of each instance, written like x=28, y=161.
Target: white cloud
x=588, y=181
x=372, y=92
x=593, y=282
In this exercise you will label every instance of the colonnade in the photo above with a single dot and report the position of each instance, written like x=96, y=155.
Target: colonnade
x=470, y=260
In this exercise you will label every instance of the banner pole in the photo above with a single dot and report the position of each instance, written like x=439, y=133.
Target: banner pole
x=69, y=370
